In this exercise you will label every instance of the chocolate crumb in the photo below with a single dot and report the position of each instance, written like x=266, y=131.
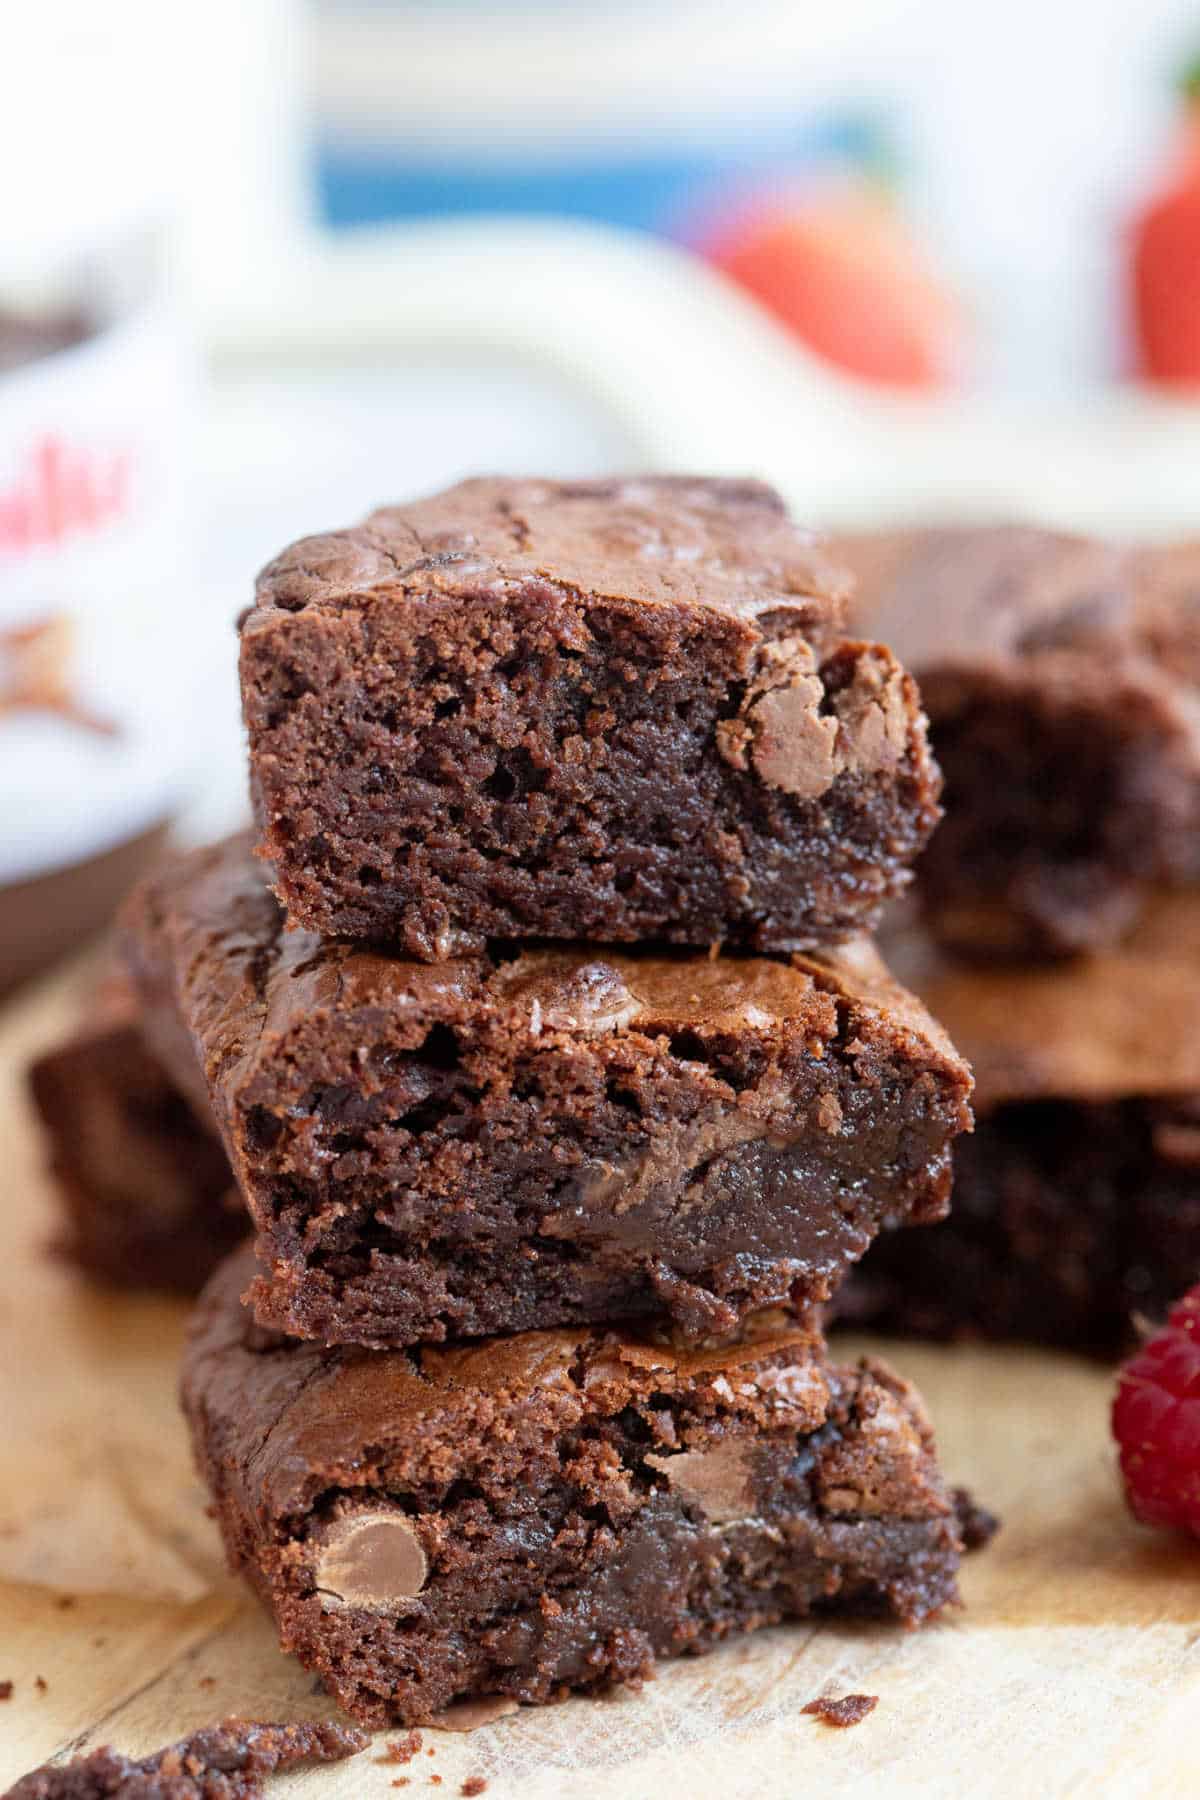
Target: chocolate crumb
x=976, y=1524
x=6, y=1689
x=207, y=1681
x=474, y=1784
x=41, y=1684
x=220, y=1762
x=851, y=1709
x=64, y=1602
x=402, y=1750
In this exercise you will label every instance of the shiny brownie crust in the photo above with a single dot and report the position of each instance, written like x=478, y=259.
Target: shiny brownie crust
x=497, y=1144
x=594, y=711
x=555, y=1510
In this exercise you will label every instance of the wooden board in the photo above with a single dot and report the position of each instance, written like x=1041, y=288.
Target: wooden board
x=1073, y=1668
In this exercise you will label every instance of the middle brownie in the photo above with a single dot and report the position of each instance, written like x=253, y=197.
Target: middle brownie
x=499, y=1144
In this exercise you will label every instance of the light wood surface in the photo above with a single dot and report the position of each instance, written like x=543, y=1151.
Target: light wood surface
x=1074, y=1667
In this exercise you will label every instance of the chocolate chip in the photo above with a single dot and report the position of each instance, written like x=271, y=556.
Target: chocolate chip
x=795, y=744
x=718, y=1479
x=371, y=1559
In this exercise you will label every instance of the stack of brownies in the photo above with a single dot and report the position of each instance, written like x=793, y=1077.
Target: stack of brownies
x=562, y=1089
x=1060, y=933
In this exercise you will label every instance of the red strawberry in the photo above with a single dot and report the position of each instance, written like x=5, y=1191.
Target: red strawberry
x=1166, y=261
x=1156, y=1421
x=843, y=272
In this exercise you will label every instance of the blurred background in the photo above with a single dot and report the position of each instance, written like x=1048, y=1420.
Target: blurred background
x=267, y=263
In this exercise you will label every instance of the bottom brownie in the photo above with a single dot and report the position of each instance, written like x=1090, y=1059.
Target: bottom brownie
x=145, y=1190
x=555, y=1510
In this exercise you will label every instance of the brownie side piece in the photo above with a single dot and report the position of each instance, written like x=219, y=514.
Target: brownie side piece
x=1070, y=1224
x=229, y=1761
x=602, y=711
x=555, y=1510
x=1076, y=1204
x=145, y=1190
x=1062, y=681
x=491, y=1145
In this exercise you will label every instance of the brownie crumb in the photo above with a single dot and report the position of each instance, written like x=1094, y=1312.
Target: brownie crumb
x=474, y=1784
x=6, y=1690
x=403, y=1749
x=41, y=1684
x=851, y=1709
x=977, y=1526
x=221, y=1762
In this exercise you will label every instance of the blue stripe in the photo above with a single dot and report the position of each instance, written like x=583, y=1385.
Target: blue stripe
x=653, y=193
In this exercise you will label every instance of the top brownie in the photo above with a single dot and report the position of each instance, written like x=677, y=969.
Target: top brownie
x=1062, y=680
x=608, y=711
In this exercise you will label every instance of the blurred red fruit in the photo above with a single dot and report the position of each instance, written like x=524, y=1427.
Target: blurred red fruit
x=843, y=272
x=1166, y=262
x=1156, y=1422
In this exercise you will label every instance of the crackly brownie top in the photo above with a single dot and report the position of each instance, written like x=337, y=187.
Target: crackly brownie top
x=298, y=1418
x=1126, y=1024
x=208, y=922
x=653, y=540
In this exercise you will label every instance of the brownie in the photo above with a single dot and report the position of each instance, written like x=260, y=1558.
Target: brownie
x=229, y=1761
x=497, y=1143
x=603, y=711
x=1076, y=1205
x=558, y=1509
x=1062, y=682
x=144, y=1187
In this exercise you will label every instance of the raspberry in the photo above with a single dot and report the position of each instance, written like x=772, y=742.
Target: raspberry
x=1156, y=1421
